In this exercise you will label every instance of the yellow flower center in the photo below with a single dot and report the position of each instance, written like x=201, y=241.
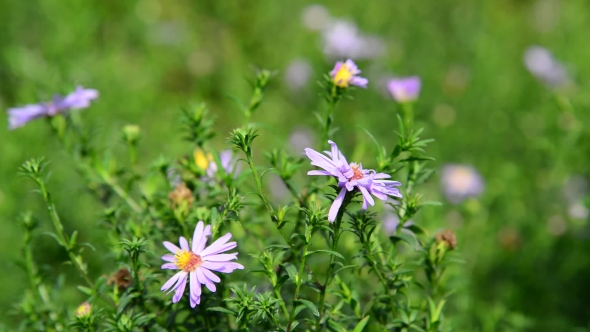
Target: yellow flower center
x=343, y=76
x=357, y=173
x=83, y=310
x=188, y=261
x=202, y=160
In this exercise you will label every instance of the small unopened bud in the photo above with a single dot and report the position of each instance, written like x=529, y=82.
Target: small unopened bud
x=122, y=279
x=131, y=133
x=447, y=237
x=84, y=310
x=180, y=195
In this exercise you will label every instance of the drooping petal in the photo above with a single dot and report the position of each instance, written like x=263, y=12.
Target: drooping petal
x=169, y=258
x=210, y=275
x=195, y=290
x=366, y=197
x=19, y=116
x=336, y=205
x=204, y=280
x=171, y=247
x=170, y=266
x=172, y=281
x=180, y=289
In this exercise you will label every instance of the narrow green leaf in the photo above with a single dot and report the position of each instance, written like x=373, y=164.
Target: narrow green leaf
x=310, y=306
x=221, y=309
x=361, y=325
x=330, y=252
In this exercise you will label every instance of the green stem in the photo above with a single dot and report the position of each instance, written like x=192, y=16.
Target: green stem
x=335, y=238
x=298, y=286
x=121, y=192
x=328, y=121
x=408, y=114
x=373, y=265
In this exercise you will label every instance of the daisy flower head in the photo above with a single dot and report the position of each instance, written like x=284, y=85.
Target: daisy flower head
x=196, y=263
x=20, y=116
x=405, y=89
x=350, y=177
x=346, y=73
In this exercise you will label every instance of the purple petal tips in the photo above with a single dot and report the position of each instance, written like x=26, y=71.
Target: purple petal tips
x=196, y=263
x=350, y=177
x=405, y=89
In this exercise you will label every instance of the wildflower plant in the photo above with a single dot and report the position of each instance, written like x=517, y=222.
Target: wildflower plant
x=318, y=263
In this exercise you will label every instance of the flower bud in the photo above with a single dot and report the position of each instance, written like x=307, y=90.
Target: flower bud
x=447, y=237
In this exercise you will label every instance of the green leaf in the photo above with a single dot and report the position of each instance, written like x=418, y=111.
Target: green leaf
x=221, y=309
x=292, y=272
x=86, y=290
x=310, y=306
x=403, y=237
x=361, y=325
x=330, y=252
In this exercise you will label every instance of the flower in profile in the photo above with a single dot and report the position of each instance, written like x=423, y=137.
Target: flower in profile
x=460, y=182
x=19, y=116
x=83, y=310
x=351, y=177
x=345, y=74
x=229, y=163
x=405, y=89
x=196, y=263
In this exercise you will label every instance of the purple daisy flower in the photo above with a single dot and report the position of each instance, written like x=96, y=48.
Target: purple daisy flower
x=345, y=73
x=196, y=263
x=460, y=182
x=19, y=116
x=350, y=177
x=405, y=89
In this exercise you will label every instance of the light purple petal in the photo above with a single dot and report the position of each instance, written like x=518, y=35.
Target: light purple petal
x=180, y=289
x=171, y=247
x=169, y=258
x=318, y=172
x=206, y=233
x=361, y=82
x=336, y=205
x=221, y=257
x=172, y=281
x=170, y=266
x=198, y=236
x=223, y=267
x=78, y=99
x=366, y=197
x=183, y=243
x=19, y=116
x=204, y=280
x=195, y=290
x=210, y=275
x=214, y=247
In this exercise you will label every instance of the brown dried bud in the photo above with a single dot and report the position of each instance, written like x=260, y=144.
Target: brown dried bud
x=122, y=278
x=181, y=194
x=448, y=237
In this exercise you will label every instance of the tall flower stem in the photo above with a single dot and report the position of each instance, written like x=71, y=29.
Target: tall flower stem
x=299, y=279
x=329, y=119
x=335, y=238
x=63, y=238
x=408, y=114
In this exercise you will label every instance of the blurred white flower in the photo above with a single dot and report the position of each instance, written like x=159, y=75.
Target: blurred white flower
x=298, y=73
x=342, y=39
x=315, y=17
x=578, y=211
x=574, y=188
x=301, y=138
x=460, y=182
x=540, y=62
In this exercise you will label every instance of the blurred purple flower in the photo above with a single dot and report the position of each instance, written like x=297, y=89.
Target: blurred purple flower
x=405, y=89
x=301, y=138
x=345, y=73
x=540, y=62
x=19, y=116
x=460, y=182
x=229, y=163
x=391, y=223
x=350, y=177
x=298, y=74
x=196, y=263
x=343, y=40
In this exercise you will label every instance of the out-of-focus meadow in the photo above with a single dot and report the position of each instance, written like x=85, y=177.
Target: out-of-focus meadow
x=525, y=240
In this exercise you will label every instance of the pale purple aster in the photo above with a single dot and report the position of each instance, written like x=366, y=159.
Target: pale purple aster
x=342, y=39
x=351, y=177
x=540, y=62
x=405, y=89
x=19, y=116
x=297, y=74
x=229, y=163
x=460, y=182
x=196, y=263
x=346, y=73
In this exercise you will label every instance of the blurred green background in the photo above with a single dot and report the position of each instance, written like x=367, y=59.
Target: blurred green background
x=527, y=260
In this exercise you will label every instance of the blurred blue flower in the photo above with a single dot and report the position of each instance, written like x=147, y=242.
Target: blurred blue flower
x=19, y=116
x=345, y=73
x=460, y=182
x=405, y=89
x=196, y=263
x=351, y=176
